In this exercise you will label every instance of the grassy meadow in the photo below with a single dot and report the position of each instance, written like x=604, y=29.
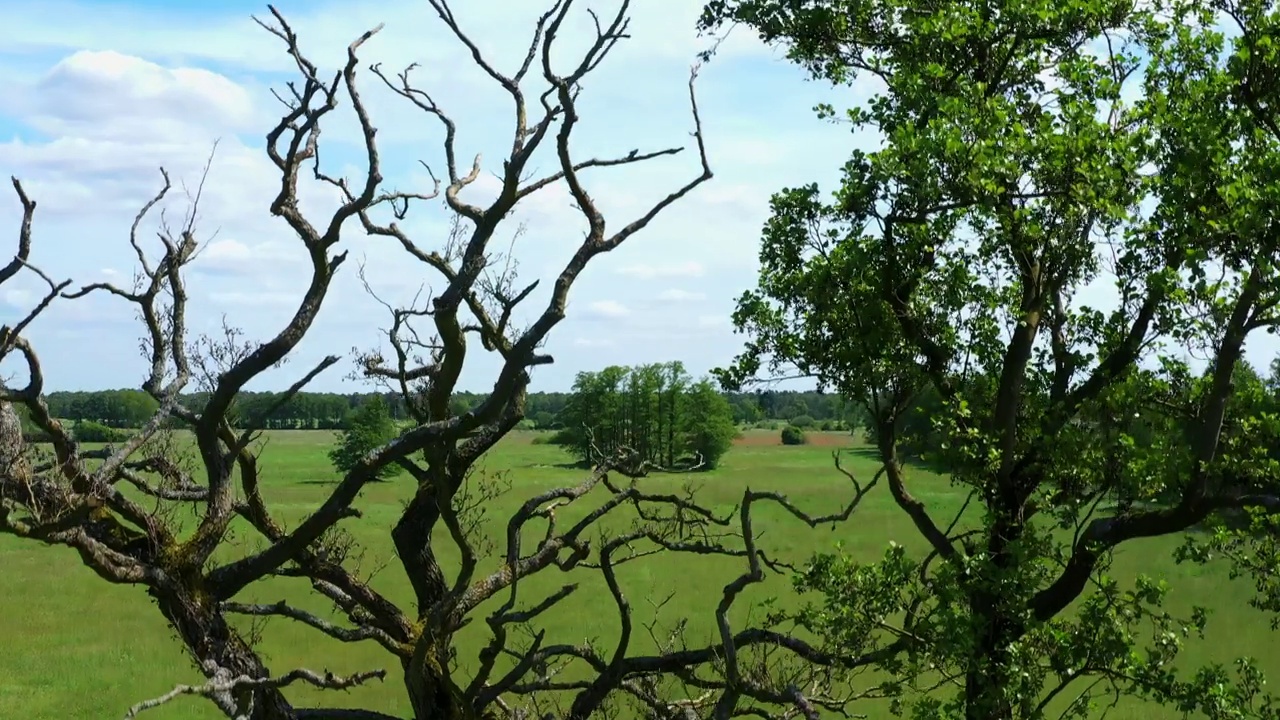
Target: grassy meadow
x=77, y=647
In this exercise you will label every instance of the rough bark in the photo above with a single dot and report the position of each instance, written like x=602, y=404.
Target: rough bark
x=218, y=648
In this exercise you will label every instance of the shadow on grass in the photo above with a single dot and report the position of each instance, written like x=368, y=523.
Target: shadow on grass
x=584, y=466
x=872, y=454
x=337, y=480
x=572, y=465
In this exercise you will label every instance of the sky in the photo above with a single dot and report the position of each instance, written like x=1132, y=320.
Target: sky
x=99, y=95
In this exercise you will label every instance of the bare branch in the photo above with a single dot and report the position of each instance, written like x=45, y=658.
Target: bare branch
x=225, y=686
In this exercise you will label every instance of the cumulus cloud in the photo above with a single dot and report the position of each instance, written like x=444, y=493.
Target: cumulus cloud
x=19, y=299
x=232, y=39
x=607, y=309
x=676, y=295
x=233, y=257
x=111, y=120
x=254, y=299
x=652, y=271
x=584, y=342
x=112, y=96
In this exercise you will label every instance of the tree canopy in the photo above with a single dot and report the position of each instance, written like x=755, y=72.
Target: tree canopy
x=1072, y=201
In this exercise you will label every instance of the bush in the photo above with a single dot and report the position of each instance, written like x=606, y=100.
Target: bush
x=802, y=421
x=828, y=426
x=96, y=432
x=792, y=435
x=564, y=437
x=368, y=427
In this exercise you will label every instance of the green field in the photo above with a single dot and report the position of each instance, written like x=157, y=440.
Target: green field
x=76, y=647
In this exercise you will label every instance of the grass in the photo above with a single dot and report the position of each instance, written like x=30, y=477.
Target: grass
x=80, y=648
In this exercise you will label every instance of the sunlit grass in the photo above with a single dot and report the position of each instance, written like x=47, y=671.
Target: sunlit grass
x=80, y=648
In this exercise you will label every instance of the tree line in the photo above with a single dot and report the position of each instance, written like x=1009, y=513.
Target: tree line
x=125, y=408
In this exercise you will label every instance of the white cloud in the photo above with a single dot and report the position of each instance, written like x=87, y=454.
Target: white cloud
x=113, y=120
x=254, y=299
x=610, y=309
x=497, y=26
x=644, y=271
x=676, y=295
x=233, y=257
x=111, y=96
x=20, y=299
x=583, y=342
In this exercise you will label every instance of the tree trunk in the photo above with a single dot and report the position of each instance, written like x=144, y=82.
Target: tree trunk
x=432, y=692
x=216, y=646
x=983, y=686
x=995, y=624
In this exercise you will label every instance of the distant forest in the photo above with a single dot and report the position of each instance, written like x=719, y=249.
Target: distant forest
x=327, y=411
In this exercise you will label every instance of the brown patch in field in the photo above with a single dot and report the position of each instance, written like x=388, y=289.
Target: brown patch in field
x=831, y=439
x=758, y=438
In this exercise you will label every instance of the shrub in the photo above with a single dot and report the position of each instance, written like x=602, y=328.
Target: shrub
x=828, y=426
x=803, y=421
x=96, y=432
x=564, y=436
x=368, y=427
x=792, y=435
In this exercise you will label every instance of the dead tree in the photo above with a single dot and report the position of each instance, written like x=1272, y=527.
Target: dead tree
x=65, y=501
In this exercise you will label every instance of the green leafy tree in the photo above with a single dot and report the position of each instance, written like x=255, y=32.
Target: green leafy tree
x=709, y=428
x=368, y=427
x=1019, y=138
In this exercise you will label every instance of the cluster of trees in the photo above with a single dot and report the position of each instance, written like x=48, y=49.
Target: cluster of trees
x=127, y=408
x=657, y=411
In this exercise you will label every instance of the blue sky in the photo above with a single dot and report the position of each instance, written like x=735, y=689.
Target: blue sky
x=100, y=94
x=100, y=102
